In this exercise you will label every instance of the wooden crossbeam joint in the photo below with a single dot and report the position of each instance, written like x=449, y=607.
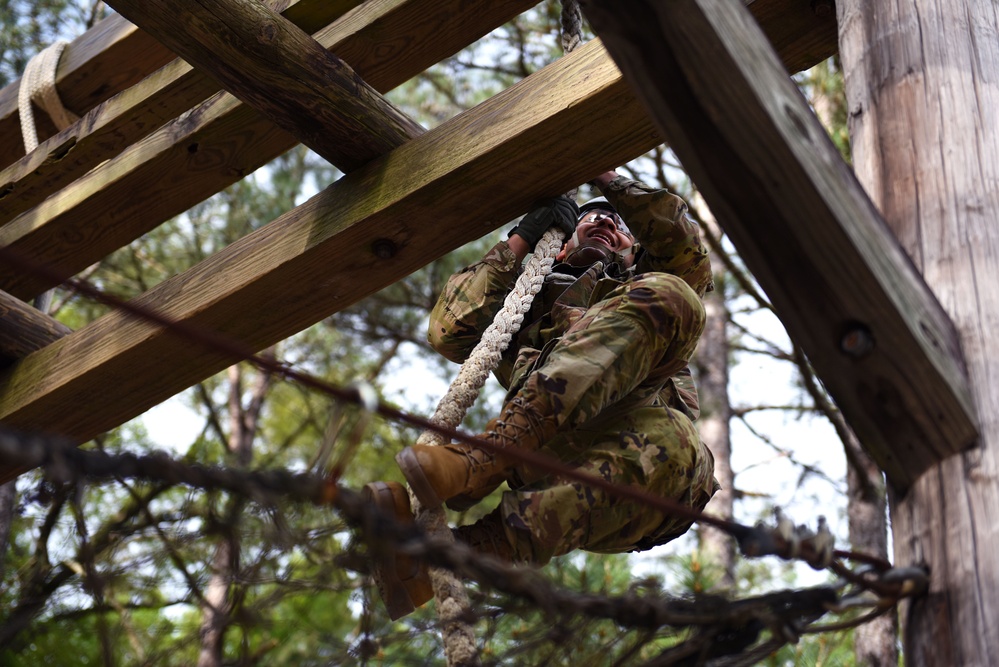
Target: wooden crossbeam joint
x=271, y=64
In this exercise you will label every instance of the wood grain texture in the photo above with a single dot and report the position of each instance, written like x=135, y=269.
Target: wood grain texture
x=105, y=60
x=221, y=141
x=801, y=221
x=211, y=147
x=422, y=200
x=922, y=83
x=24, y=329
x=127, y=117
x=803, y=33
x=269, y=63
x=115, y=55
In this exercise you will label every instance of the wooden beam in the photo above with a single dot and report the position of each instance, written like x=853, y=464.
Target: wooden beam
x=24, y=329
x=269, y=63
x=115, y=55
x=125, y=103
x=843, y=287
x=375, y=225
x=803, y=32
x=222, y=140
x=105, y=60
x=111, y=126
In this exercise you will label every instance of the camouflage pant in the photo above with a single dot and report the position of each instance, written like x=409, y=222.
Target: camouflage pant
x=599, y=381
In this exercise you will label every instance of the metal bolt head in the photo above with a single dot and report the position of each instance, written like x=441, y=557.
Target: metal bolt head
x=384, y=248
x=857, y=341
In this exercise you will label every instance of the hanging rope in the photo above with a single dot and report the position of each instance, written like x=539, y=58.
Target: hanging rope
x=38, y=84
x=452, y=600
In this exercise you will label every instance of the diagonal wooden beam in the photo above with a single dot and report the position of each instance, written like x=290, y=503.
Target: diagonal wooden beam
x=375, y=225
x=266, y=61
x=115, y=55
x=111, y=126
x=215, y=145
x=222, y=140
x=803, y=33
x=24, y=329
x=847, y=293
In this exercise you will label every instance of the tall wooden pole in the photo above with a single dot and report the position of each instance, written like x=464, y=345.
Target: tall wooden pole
x=922, y=81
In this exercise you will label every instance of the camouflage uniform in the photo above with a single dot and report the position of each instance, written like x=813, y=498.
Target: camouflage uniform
x=606, y=351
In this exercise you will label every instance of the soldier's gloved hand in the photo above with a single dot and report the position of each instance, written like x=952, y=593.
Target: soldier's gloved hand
x=560, y=211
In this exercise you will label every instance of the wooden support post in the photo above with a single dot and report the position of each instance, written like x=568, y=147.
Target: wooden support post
x=843, y=287
x=922, y=83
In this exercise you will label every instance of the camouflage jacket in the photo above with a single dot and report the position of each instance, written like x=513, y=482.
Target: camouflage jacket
x=670, y=242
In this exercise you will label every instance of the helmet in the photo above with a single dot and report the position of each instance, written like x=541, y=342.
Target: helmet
x=596, y=202
x=601, y=203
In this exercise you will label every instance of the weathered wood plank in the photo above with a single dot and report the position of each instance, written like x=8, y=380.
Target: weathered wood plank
x=109, y=127
x=24, y=329
x=115, y=55
x=845, y=290
x=269, y=63
x=81, y=225
x=222, y=140
x=555, y=129
x=105, y=60
x=921, y=83
x=803, y=33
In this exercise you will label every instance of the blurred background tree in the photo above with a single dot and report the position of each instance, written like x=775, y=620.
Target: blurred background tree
x=140, y=573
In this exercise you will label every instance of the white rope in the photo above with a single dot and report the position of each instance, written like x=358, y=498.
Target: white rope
x=452, y=600
x=487, y=353
x=38, y=84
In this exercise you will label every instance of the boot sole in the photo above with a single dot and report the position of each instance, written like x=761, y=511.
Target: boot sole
x=391, y=588
x=418, y=482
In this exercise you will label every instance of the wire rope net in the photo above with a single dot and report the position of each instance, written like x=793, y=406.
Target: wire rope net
x=523, y=616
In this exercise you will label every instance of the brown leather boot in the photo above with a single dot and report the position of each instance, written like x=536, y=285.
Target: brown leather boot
x=486, y=536
x=437, y=473
x=403, y=582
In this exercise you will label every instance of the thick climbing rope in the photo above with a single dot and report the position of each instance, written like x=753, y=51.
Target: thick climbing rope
x=38, y=84
x=487, y=353
x=452, y=600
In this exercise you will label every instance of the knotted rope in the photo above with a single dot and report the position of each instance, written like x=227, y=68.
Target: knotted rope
x=487, y=353
x=452, y=600
x=38, y=84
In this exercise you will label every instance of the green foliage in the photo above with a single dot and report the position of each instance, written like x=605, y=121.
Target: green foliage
x=123, y=567
x=823, y=86
x=31, y=25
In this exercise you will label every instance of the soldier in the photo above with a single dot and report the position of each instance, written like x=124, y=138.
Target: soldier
x=597, y=377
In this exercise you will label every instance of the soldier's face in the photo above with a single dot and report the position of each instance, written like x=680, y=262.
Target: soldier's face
x=600, y=236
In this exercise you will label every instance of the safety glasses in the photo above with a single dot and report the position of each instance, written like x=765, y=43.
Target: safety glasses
x=594, y=214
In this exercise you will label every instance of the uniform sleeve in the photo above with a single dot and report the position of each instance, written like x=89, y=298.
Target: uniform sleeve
x=670, y=239
x=469, y=302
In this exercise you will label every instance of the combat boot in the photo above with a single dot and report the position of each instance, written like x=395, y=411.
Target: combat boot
x=403, y=582
x=486, y=536
x=437, y=473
